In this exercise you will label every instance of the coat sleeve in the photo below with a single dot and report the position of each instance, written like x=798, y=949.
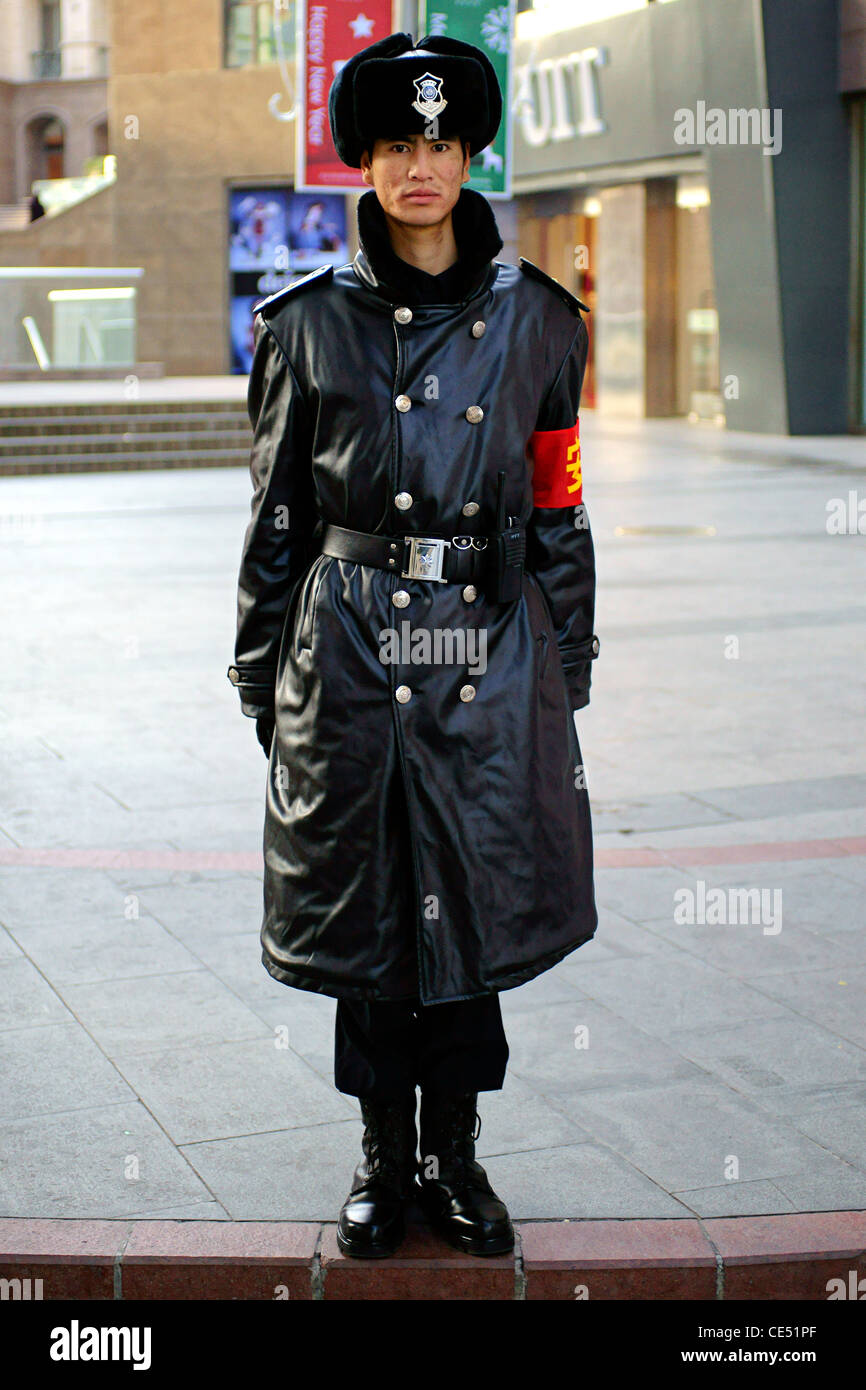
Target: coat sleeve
x=559, y=548
x=278, y=541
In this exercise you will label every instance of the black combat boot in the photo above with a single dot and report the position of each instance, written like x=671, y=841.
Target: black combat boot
x=455, y=1193
x=372, y=1222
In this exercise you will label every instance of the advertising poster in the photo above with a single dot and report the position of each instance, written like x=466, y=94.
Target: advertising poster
x=489, y=27
x=275, y=235
x=329, y=34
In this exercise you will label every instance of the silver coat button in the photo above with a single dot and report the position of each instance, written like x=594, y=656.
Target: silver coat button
x=470, y=593
x=234, y=675
x=403, y=501
x=479, y=329
x=403, y=315
x=595, y=645
x=400, y=598
x=467, y=692
x=403, y=403
x=403, y=694
x=470, y=508
x=474, y=414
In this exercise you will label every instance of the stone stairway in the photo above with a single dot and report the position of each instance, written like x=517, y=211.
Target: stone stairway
x=14, y=216
x=107, y=437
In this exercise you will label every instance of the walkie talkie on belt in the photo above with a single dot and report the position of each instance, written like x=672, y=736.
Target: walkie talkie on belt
x=509, y=551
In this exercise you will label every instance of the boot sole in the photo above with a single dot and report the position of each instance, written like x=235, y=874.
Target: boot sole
x=369, y=1252
x=496, y=1245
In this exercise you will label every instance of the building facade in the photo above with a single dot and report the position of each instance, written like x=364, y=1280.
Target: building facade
x=691, y=169
x=53, y=92
x=685, y=168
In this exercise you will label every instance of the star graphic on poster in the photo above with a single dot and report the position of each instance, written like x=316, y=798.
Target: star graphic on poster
x=361, y=26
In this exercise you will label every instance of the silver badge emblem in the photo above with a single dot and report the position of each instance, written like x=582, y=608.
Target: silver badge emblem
x=429, y=101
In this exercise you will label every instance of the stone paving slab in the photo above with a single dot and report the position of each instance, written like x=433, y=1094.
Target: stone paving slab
x=105, y=1160
x=151, y=1012
x=55, y=1068
x=239, y=1089
x=152, y=1068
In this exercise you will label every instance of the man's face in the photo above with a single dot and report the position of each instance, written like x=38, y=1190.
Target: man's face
x=417, y=180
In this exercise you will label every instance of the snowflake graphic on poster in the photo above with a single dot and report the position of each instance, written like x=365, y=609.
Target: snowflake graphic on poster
x=495, y=29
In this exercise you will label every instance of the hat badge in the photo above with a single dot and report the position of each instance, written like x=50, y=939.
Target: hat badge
x=429, y=101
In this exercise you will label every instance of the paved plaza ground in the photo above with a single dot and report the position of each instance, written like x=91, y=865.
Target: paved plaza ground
x=707, y=1066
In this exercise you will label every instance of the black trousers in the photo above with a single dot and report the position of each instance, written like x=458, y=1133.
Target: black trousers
x=383, y=1051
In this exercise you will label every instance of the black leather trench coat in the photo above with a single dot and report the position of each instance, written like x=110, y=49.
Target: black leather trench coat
x=436, y=844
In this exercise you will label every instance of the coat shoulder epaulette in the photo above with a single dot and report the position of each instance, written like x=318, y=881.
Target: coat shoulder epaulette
x=574, y=304
x=279, y=297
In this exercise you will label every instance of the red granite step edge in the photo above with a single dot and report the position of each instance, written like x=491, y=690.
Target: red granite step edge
x=790, y=1256
x=795, y=1255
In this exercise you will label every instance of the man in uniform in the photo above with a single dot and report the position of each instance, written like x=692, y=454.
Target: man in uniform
x=415, y=630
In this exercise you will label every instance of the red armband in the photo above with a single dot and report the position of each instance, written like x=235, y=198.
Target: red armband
x=557, y=480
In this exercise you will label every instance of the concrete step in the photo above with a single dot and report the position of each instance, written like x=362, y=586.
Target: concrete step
x=132, y=458
x=106, y=436
x=36, y=445
x=24, y=425
x=201, y=408
x=14, y=216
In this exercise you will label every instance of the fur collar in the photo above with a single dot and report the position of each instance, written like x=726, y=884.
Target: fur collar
x=478, y=242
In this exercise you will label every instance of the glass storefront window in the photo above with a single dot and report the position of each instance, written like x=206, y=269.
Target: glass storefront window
x=697, y=330
x=67, y=316
x=557, y=231
x=639, y=255
x=259, y=31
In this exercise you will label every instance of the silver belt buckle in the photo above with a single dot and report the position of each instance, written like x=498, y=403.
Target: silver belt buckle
x=426, y=555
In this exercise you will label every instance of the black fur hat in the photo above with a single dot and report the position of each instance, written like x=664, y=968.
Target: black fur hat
x=374, y=94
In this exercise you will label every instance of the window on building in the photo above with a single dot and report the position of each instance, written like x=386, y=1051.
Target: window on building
x=50, y=10
x=45, y=61
x=259, y=31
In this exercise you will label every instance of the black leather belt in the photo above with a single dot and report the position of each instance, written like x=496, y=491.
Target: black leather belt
x=449, y=560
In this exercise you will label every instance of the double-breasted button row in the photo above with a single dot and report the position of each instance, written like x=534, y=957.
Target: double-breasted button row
x=474, y=413
x=401, y=599
x=403, y=694
x=403, y=314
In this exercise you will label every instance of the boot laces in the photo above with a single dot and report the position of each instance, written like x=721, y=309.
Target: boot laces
x=458, y=1128
x=388, y=1140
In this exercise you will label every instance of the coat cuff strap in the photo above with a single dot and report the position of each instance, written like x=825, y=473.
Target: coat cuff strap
x=577, y=662
x=256, y=686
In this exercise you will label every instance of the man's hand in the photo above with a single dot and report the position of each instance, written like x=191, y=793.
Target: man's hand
x=265, y=725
